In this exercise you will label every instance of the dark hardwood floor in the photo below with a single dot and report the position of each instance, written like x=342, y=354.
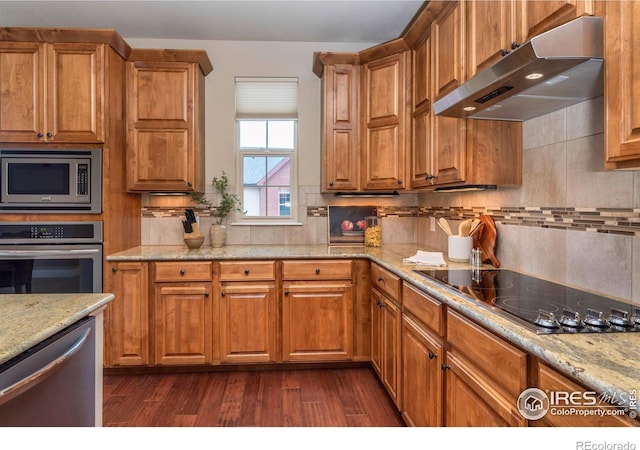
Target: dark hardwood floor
x=345, y=397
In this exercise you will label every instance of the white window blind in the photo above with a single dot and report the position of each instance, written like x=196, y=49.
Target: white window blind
x=258, y=97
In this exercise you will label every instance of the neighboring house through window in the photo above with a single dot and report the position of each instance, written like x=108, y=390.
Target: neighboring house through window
x=266, y=121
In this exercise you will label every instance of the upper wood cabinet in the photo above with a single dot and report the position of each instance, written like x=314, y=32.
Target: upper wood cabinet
x=385, y=137
x=165, y=120
x=537, y=16
x=52, y=92
x=622, y=90
x=340, y=74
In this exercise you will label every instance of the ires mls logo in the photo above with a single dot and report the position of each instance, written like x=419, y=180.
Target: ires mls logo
x=534, y=404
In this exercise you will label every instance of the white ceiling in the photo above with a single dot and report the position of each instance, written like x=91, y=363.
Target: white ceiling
x=237, y=20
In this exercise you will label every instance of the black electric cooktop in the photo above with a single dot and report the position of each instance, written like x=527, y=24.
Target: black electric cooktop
x=539, y=305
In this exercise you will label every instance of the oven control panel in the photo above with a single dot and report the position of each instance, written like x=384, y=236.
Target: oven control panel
x=58, y=232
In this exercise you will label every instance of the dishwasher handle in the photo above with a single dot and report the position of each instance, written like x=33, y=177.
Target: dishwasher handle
x=40, y=375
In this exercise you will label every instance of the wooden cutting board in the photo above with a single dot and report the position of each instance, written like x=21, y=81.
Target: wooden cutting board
x=486, y=240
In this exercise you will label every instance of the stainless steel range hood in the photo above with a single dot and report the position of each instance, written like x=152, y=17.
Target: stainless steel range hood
x=553, y=70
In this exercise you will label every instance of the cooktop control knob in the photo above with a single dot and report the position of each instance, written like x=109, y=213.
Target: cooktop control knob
x=571, y=319
x=620, y=318
x=594, y=318
x=546, y=319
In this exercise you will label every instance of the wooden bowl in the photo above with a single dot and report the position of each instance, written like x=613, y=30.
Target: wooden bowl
x=194, y=242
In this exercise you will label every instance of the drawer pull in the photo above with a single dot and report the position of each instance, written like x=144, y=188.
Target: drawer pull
x=181, y=271
x=432, y=355
x=380, y=280
x=317, y=271
x=246, y=271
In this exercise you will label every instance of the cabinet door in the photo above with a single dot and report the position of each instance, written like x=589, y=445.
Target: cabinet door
x=127, y=317
x=538, y=16
x=422, y=386
x=317, y=321
x=160, y=115
x=385, y=88
x=422, y=172
x=622, y=98
x=340, y=163
x=75, y=92
x=183, y=323
x=471, y=401
x=490, y=32
x=22, y=87
x=448, y=50
x=390, y=328
x=248, y=322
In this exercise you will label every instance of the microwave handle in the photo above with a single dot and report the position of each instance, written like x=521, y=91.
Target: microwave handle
x=81, y=251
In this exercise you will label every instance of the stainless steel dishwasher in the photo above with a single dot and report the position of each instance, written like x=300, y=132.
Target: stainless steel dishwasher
x=53, y=383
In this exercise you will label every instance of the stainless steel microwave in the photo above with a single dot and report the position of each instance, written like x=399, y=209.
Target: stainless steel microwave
x=51, y=181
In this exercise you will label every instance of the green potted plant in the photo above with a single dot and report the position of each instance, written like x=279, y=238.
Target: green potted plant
x=228, y=203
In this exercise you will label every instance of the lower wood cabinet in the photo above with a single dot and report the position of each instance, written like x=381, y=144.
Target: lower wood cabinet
x=484, y=376
x=385, y=342
x=248, y=312
x=422, y=375
x=317, y=311
x=182, y=313
x=182, y=323
x=126, y=321
x=573, y=395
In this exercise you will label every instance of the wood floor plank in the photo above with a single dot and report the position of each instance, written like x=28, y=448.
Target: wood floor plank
x=351, y=397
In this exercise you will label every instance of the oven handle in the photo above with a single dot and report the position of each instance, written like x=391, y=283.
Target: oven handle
x=81, y=251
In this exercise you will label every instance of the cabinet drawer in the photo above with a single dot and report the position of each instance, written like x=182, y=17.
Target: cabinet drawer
x=386, y=282
x=317, y=269
x=247, y=270
x=500, y=361
x=424, y=308
x=183, y=271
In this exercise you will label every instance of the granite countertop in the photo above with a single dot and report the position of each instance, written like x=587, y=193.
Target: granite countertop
x=28, y=319
x=607, y=362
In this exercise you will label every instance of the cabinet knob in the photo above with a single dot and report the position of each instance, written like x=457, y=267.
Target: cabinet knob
x=330, y=183
x=223, y=293
x=399, y=181
x=286, y=292
x=429, y=177
x=189, y=183
x=379, y=304
x=317, y=271
x=432, y=355
x=49, y=135
x=181, y=271
x=246, y=271
x=504, y=51
x=445, y=367
x=380, y=280
x=40, y=135
x=515, y=45
x=114, y=269
x=206, y=294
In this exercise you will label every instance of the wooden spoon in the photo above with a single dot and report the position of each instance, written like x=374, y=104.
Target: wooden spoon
x=465, y=227
x=442, y=223
x=475, y=224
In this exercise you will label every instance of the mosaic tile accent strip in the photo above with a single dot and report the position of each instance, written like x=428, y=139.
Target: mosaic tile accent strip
x=596, y=220
x=623, y=221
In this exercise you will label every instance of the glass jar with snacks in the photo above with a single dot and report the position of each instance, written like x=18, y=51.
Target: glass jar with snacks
x=373, y=232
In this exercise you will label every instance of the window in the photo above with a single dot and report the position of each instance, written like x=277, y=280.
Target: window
x=266, y=121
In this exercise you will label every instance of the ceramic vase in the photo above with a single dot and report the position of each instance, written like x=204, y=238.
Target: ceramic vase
x=218, y=235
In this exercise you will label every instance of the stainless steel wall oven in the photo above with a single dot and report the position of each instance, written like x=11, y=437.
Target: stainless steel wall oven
x=51, y=257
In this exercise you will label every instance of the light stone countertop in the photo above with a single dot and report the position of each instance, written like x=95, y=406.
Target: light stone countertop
x=604, y=362
x=28, y=319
